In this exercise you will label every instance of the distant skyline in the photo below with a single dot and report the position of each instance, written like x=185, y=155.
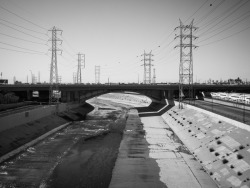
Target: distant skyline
x=114, y=34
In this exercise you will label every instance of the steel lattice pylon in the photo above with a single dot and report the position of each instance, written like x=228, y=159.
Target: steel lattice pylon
x=147, y=63
x=97, y=74
x=54, y=92
x=186, y=62
x=79, y=67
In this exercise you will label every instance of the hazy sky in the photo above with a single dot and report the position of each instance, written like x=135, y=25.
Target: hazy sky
x=114, y=34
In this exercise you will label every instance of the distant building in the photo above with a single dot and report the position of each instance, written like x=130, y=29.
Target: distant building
x=18, y=82
x=235, y=81
x=3, y=81
x=238, y=81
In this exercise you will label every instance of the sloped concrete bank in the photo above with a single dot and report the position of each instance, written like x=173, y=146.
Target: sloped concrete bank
x=221, y=145
x=150, y=156
x=15, y=137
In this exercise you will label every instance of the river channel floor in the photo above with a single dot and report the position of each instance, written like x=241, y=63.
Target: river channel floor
x=81, y=155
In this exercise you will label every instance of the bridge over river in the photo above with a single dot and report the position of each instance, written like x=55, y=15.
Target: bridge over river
x=82, y=92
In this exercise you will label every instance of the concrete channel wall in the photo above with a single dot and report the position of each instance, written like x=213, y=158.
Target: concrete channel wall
x=31, y=143
x=20, y=118
x=220, y=144
x=228, y=103
x=228, y=120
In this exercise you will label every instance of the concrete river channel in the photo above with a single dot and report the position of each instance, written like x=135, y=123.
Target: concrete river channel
x=81, y=155
x=119, y=145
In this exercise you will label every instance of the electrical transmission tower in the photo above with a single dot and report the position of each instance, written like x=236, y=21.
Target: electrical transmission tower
x=53, y=66
x=74, y=77
x=97, y=74
x=186, y=61
x=154, y=77
x=147, y=63
x=79, y=67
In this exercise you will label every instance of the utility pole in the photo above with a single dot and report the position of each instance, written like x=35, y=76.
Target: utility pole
x=53, y=66
x=147, y=63
x=97, y=74
x=79, y=67
x=186, y=61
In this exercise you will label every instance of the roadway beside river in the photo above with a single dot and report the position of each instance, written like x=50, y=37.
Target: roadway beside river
x=225, y=109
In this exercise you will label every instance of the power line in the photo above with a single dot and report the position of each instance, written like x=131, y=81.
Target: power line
x=196, y=10
x=226, y=16
x=68, y=44
x=221, y=15
x=22, y=39
x=228, y=23
x=68, y=53
x=22, y=27
x=226, y=37
x=22, y=32
x=209, y=13
x=22, y=17
x=21, y=47
x=21, y=51
x=221, y=31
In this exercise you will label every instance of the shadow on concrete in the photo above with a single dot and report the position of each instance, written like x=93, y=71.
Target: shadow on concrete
x=78, y=113
x=154, y=109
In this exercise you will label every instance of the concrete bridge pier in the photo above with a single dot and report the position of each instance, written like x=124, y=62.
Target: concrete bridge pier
x=70, y=96
x=29, y=95
x=199, y=95
x=169, y=96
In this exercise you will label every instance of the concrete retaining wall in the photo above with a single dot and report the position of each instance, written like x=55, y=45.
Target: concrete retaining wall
x=31, y=143
x=20, y=118
x=228, y=120
x=236, y=105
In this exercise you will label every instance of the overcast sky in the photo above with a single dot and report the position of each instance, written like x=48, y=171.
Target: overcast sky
x=114, y=34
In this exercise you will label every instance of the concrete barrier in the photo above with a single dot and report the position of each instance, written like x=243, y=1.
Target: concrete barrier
x=20, y=118
x=222, y=118
x=31, y=143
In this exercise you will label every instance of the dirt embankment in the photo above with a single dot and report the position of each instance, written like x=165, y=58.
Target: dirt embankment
x=13, y=138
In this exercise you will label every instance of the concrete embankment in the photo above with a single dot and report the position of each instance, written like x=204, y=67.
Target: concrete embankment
x=221, y=145
x=151, y=156
x=27, y=116
x=17, y=136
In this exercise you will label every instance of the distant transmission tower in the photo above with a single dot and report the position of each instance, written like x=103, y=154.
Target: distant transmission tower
x=79, y=67
x=147, y=59
x=154, y=77
x=53, y=66
x=74, y=77
x=39, y=76
x=97, y=74
x=186, y=61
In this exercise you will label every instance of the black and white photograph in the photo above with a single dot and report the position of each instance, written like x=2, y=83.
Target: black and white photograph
x=124, y=93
